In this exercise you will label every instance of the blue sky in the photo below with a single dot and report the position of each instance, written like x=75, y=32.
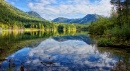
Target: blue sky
x=50, y=9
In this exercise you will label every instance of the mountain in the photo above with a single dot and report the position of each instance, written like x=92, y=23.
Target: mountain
x=87, y=19
x=60, y=19
x=9, y=11
x=65, y=20
x=11, y=16
x=35, y=14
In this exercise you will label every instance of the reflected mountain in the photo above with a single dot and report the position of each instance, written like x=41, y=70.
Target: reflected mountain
x=84, y=38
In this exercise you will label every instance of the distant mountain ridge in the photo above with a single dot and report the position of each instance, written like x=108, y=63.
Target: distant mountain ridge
x=87, y=19
x=35, y=14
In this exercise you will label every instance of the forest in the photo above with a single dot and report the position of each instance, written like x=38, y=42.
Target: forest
x=110, y=31
x=12, y=18
x=30, y=43
x=115, y=30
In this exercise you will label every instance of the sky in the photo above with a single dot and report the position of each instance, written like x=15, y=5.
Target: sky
x=51, y=9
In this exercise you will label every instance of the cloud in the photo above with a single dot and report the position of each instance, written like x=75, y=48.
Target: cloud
x=50, y=9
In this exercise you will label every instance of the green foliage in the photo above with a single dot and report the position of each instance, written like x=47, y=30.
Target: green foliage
x=116, y=31
x=104, y=42
x=13, y=18
x=99, y=27
x=66, y=27
x=110, y=29
x=122, y=33
x=83, y=27
x=115, y=28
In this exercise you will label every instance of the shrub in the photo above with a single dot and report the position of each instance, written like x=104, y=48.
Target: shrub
x=121, y=33
x=104, y=42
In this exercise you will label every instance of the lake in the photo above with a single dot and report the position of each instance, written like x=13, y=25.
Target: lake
x=53, y=51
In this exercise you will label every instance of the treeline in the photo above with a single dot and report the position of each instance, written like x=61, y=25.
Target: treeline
x=12, y=18
x=115, y=30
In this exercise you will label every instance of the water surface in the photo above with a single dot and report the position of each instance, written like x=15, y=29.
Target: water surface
x=61, y=53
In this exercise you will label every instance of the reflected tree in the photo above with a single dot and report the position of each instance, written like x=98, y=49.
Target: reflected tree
x=123, y=64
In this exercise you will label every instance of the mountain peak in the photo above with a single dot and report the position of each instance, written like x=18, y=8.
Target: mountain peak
x=87, y=19
x=60, y=19
x=35, y=14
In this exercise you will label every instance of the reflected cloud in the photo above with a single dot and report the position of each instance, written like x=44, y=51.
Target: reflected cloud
x=69, y=55
x=72, y=53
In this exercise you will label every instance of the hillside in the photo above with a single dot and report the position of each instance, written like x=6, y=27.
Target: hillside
x=87, y=19
x=11, y=17
x=35, y=14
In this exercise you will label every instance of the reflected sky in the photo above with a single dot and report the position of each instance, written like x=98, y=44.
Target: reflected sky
x=67, y=55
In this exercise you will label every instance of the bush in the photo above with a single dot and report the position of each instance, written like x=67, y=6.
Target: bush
x=116, y=31
x=104, y=42
x=121, y=33
x=126, y=32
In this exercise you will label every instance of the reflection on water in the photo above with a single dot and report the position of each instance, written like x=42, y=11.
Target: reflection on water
x=11, y=41
x=67, y=53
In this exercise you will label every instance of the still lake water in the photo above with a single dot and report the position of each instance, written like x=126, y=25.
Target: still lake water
x=40, y=51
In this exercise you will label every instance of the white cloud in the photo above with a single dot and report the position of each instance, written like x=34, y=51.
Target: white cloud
x=50, y=9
